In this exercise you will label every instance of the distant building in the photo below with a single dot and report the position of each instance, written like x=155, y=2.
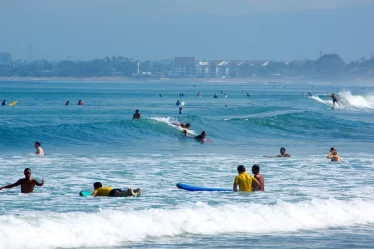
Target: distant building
x=184, y=67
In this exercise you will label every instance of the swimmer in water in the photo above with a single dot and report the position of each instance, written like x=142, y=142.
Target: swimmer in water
x=39, y=149
x=258, y=176
x=333, y=155
x=136, y=114
x=27, y=183
x=334, y=99
x=201, y=136
x=3, y=103
x=246, y=183
x=67, y=102
x=282, y=153
x=80, y=102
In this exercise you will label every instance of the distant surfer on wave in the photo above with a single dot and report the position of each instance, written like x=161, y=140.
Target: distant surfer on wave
x=27, y=183
x=282, y=153
x=136, y=114
x=99, y=190
x=184, y=126
x=334, y=99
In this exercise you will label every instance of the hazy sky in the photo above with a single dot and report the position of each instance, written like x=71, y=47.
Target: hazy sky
x=210, y=29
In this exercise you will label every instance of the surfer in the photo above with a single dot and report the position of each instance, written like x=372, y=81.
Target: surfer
x=258, y=176
x=3, y=103
x=67, y=102
x=333, y=155
x=180, y=110
x=136, y=114
x=27, y=183
x=215, y=96
x=282, y=153
x=80, y=102
x=99, y=190
x=334, y=99
x=39, y=149
x=246, y=183
x=201, y=136
x=184, y=126
x=178, y=102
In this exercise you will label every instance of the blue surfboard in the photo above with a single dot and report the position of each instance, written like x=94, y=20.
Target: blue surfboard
x=197, y=188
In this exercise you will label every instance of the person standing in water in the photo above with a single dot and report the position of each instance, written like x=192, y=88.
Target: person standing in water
x=258, y=176
x=80, y=102
x=27, y=183
x=136, y=114
x=3, y=103
x=333, y=155
x=180, y=110
x=246, y=183
x=39, y=149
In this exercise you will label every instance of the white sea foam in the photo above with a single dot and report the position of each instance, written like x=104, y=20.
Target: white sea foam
x=117, y=227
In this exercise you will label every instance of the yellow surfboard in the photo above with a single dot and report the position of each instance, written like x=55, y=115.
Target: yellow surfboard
x=13, y=103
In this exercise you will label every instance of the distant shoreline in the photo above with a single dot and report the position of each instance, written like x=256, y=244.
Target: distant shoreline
x=121, y=79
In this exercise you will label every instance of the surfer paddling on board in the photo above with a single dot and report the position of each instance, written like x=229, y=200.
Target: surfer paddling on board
x=282, y=153
x=334, y=99
x=27, y=183
x=99, y=190
x=246, y=183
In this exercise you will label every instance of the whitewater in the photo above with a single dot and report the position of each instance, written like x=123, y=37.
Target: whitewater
x=309, y=202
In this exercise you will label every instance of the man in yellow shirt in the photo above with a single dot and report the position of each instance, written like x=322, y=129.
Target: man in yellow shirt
x=99, y=190
x=247, y=183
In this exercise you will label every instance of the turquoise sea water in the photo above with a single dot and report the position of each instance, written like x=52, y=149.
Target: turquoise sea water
x=309, y=201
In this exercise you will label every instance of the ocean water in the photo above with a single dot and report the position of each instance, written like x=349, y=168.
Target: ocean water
x=309, y=201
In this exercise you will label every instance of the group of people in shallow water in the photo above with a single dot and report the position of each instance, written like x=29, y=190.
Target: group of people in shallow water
x=242, y=182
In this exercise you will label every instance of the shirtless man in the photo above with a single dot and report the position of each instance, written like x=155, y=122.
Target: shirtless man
x=27, y=184
x=39, y=149
x=136, y=114
x=258, y=176
x=282, y=153
x=333, y=155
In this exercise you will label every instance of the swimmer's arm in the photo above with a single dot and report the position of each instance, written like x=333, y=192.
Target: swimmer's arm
x=94, y=193
x=12, y=185
x=39, y=184
x=235, y=187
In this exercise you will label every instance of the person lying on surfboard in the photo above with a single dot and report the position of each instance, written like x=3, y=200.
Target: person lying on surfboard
x=27, y=183
x=282, y=153
x=99, y=190
x=184, y=126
